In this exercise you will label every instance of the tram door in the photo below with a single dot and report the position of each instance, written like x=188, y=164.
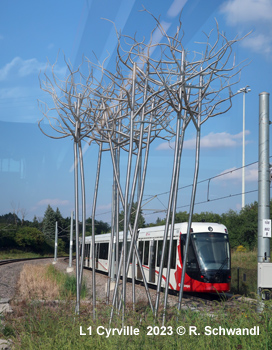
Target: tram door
x=141, y=248
x=152, y=260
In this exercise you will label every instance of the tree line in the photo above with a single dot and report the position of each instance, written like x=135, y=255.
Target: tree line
x=38, y=235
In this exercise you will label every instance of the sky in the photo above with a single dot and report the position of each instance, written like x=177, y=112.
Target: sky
x=36, y=170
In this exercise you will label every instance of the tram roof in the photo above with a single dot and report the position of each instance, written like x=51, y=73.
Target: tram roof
x=158, y=231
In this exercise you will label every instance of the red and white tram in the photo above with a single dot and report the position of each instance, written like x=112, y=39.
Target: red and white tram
x=208, y=262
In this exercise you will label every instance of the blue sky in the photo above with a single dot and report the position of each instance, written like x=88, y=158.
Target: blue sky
x=36, y=171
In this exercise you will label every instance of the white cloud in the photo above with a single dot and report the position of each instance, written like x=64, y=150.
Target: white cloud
x=248, y=15
x=247, y=11
x=234, y=174
x=53, y=201
x=259, y=43
x=212, y=140
x=22, y=68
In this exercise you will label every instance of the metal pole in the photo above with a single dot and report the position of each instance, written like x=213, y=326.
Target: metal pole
x=173, y=221
x=117, y=159
x=243, y=157
x=70, y=268
x=77, y=225
x=169, y=209
x=126, y=204
x=111, y=252
x=140, y=196
x=263, y=180
x=83, y=200
x=137, y=175
x=93, y=228
x=244, y=91
x=56, y=244
x=193, y=194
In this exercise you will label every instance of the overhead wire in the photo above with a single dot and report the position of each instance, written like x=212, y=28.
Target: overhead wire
x=155, y=196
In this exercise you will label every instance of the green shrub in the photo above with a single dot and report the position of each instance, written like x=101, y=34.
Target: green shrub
x=30, y=238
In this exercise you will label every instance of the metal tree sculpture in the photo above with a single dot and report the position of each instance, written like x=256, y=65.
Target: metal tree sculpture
x=194, y=89
x=74, y=102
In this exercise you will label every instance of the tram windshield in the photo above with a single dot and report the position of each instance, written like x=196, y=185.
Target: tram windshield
x=212, y=250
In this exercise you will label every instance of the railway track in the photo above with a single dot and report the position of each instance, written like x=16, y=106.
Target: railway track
x=10, y=261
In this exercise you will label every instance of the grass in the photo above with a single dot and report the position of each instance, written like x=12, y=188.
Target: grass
x=246, y=260
x=244, y=279
x=34, y=283
x=66, y=282
x=244, y=273
x=47, y=283
x=35, y=326
x=18, y=254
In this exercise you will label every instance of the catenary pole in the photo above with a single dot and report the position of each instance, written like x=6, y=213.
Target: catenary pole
x=263, y=180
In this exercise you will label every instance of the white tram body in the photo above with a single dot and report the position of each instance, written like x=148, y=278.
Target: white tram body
x=208, y=262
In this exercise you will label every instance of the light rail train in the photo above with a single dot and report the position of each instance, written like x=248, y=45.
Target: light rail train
x=208, y=263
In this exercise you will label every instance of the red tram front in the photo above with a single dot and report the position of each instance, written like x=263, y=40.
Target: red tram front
x=208, y=262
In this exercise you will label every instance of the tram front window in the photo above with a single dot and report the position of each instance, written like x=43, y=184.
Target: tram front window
x=212, y=250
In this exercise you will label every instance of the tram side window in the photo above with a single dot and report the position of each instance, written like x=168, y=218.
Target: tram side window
x=155, y=251
x=173, y=255
x=159, y=253
x=146, y=252
x=103, y=252
x=166, y=254
x=141, y=249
